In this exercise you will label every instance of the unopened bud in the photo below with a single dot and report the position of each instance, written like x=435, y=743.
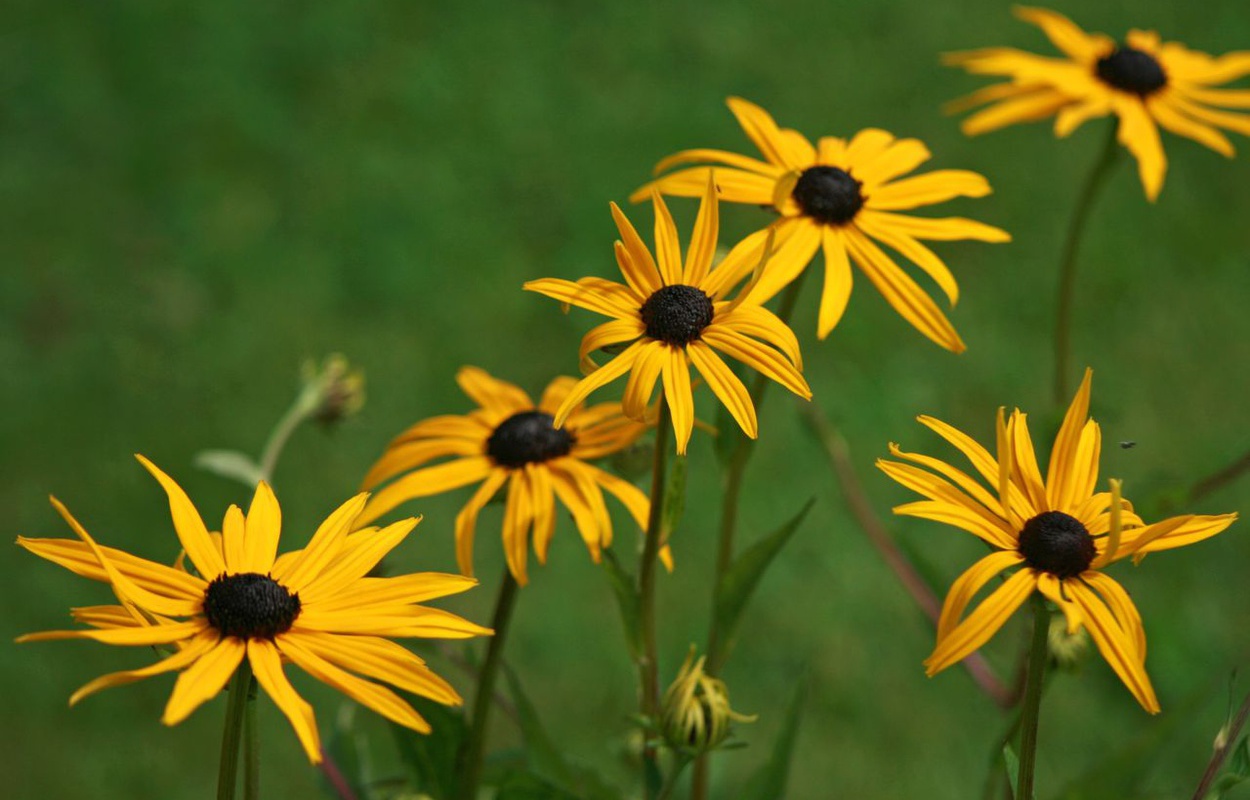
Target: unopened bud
x=1067, y=649
x=333, y=390
x=696, y=714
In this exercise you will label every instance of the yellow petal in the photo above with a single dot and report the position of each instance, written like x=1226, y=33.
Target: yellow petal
x=490, y=392
x=413, y=454
x=1138, y=133
x=600, y=377
x=763, y=131
x=466, y=520
x=1116, y=645
x=356, y=563
x=977, y=629
x=598, y=297
x=204, y=679
x=267, y=666
x=323, y=548
x=517, y=518
x=381, y=659
x=927, y=189
x=415, y=587
x=195, y=648
x=678, y=396
x=232, y=535
x=1066, y=442
x=725, y=385
x=642, y=378
x=968, y=584
x=190, y=528
x=703, y=239
x=424, y=483
x=263, y=527
x=367, y=693
x=667, y=246
x=605, y=335
x=838, y=282
x=758, y=356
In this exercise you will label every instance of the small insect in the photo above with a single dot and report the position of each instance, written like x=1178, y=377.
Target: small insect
x=1129, y=445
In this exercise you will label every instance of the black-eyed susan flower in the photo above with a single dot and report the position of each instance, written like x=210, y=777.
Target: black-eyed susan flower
x=1145, y=82
x=316, y=608
x=675, y=316
x=841, y=197
x=511, y=440
x=1057, y=534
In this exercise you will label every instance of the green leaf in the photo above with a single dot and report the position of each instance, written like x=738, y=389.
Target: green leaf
x=674, y=498
x=625, y=589
x=739, y=582
x=230, y=464
x=430, y=759
x=349, y=750
x=769, y=781
x=547, y=765
x=1012, y=763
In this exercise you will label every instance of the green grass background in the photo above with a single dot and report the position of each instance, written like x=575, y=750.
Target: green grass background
x=195, y=198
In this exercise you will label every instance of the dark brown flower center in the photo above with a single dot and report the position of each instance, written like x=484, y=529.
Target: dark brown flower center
x=1132, y=70
x=677, y=314
x=829, y=195
x=1057, y=543
x=528, y=438
x=250, y=606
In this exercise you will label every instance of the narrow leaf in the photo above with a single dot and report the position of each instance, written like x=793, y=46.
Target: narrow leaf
x=769, y=781
x=430, y=759
x=739, y=582
x=674, y=498
x=1012, y=762
x=547, y=764
x=624, y=588
x=230, y=464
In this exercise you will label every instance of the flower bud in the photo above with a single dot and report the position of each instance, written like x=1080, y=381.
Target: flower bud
x=695, y=715
x=333, y=391
x=1067, y=649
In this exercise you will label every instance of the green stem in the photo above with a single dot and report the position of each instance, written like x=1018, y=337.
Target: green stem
x=648, y=666
x=735, y=471
x=1067, y=264
x=291, y=420
x=251, y=746
x=1032, y=703
x=227, y=771
x=671, y=783
x=731, y=499
x=470, y=757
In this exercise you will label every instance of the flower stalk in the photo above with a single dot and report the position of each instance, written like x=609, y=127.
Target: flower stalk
x=1032, y=703
x=1067, y=262
x=648, y=666
x=236, y=712
x=474, y=747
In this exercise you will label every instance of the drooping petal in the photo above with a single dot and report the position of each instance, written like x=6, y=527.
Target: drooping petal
x=725, y=385
x=196, y=647
x=678, y=395
x=761, y=323
x=1138, y=133
x=600, y=377
x=642, y=378
x=969, y=583
x=913, y=251
x=466, y=520
x=204, y=679
x=383, y=660
x=369, y=694
x=542, y=502
x=979, y=626
x=760, y=357
x=599, y=297
x=836, y=292
x=605, y=335
x=518, y=515
x=267, y=666
x=901, y=292
x=1117, y=646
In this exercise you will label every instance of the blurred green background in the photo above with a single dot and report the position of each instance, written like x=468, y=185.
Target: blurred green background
x=196, y=198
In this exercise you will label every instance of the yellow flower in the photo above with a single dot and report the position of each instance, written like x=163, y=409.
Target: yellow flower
x=1143, y=81
x=1060, y=533
x=675, y=317
x=838, y=196
x=314, y=607
x=509, y=439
